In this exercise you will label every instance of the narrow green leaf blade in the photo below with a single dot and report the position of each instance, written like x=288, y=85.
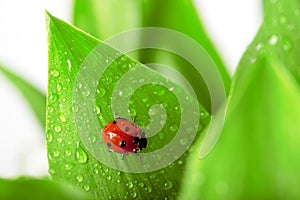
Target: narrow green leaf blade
x=35, y=189
x=257, y=155
x=35, y=98
x=70, y=159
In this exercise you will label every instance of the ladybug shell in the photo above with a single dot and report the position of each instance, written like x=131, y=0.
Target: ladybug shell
x=123, y=136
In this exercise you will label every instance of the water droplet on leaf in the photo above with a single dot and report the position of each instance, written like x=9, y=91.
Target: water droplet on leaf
x=129, y=185
x=273, y=40
x=57, y=128
x=54, y=73
x=56, y=153
x=62, y=118
x=101, y=92
x=86, y=188
x=168, y=185
x=79, y=178
x=49, y=136
x=81, y=155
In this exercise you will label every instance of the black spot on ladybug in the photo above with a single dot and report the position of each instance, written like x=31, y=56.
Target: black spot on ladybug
x=108, y=144
x=114, y=122
x=123, y=144
x=136, y=140
x=126, y=129
x=142, y=143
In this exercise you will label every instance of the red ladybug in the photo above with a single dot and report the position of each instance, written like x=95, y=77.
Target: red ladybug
x=123, y=136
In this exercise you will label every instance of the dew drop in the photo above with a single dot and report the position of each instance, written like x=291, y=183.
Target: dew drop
x=203, y=115
x=97, y=110
x=54, y=73
x=168, y=185
x=145, y=99
x=86, y=188
x=180, y=162
x=69, y=64
x=56, y=153
x=109, y=79
x=133, y=194
x=152, y=176
x=92, y=139
x=75, y=108
x=120, y=93
x=132, y=112
x=129, y=185
x=101, y=92
x=183, y=141
x=282, y=19
x=79, y=85
x=57, y=128
x=96, y=171
x=273, y=40
x=108, y=178
x=58, y=87
x=149, y=189
x=62, y=118
x=173, y=127
x=69, y=166
x=53, y=97
x=49, y=137
x=51, y=171
x=287, y=45
x=49, y=156
x=59, y=140
x=258, y=47
x=79, y=178
x=81, y=156
x=50, y=108
x=68, y=152
x=141, y=184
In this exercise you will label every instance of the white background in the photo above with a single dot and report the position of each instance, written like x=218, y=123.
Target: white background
x=231, y=24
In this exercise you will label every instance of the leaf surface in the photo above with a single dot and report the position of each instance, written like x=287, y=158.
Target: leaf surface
x=257, y=155
x=80, y=103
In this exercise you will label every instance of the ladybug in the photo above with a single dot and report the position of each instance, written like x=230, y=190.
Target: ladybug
x=123, y=136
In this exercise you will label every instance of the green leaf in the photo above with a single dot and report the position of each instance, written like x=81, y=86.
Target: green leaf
x=35, y=98
x=106, y=18
x=257, y=155
x=77, y=113
x=31, y=188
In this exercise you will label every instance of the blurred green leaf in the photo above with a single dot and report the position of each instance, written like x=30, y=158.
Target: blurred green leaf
x=106, y=18
x=69, y=159
x=31, y=188
x=34, y=97
x=257, y=155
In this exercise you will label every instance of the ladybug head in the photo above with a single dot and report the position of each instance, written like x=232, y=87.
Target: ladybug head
x=142, y=143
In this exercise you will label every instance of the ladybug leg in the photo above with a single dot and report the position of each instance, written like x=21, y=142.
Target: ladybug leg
x=108, y=147
x=125, y=153
x=116, y=115
x=134, y=118
x=140, y=157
